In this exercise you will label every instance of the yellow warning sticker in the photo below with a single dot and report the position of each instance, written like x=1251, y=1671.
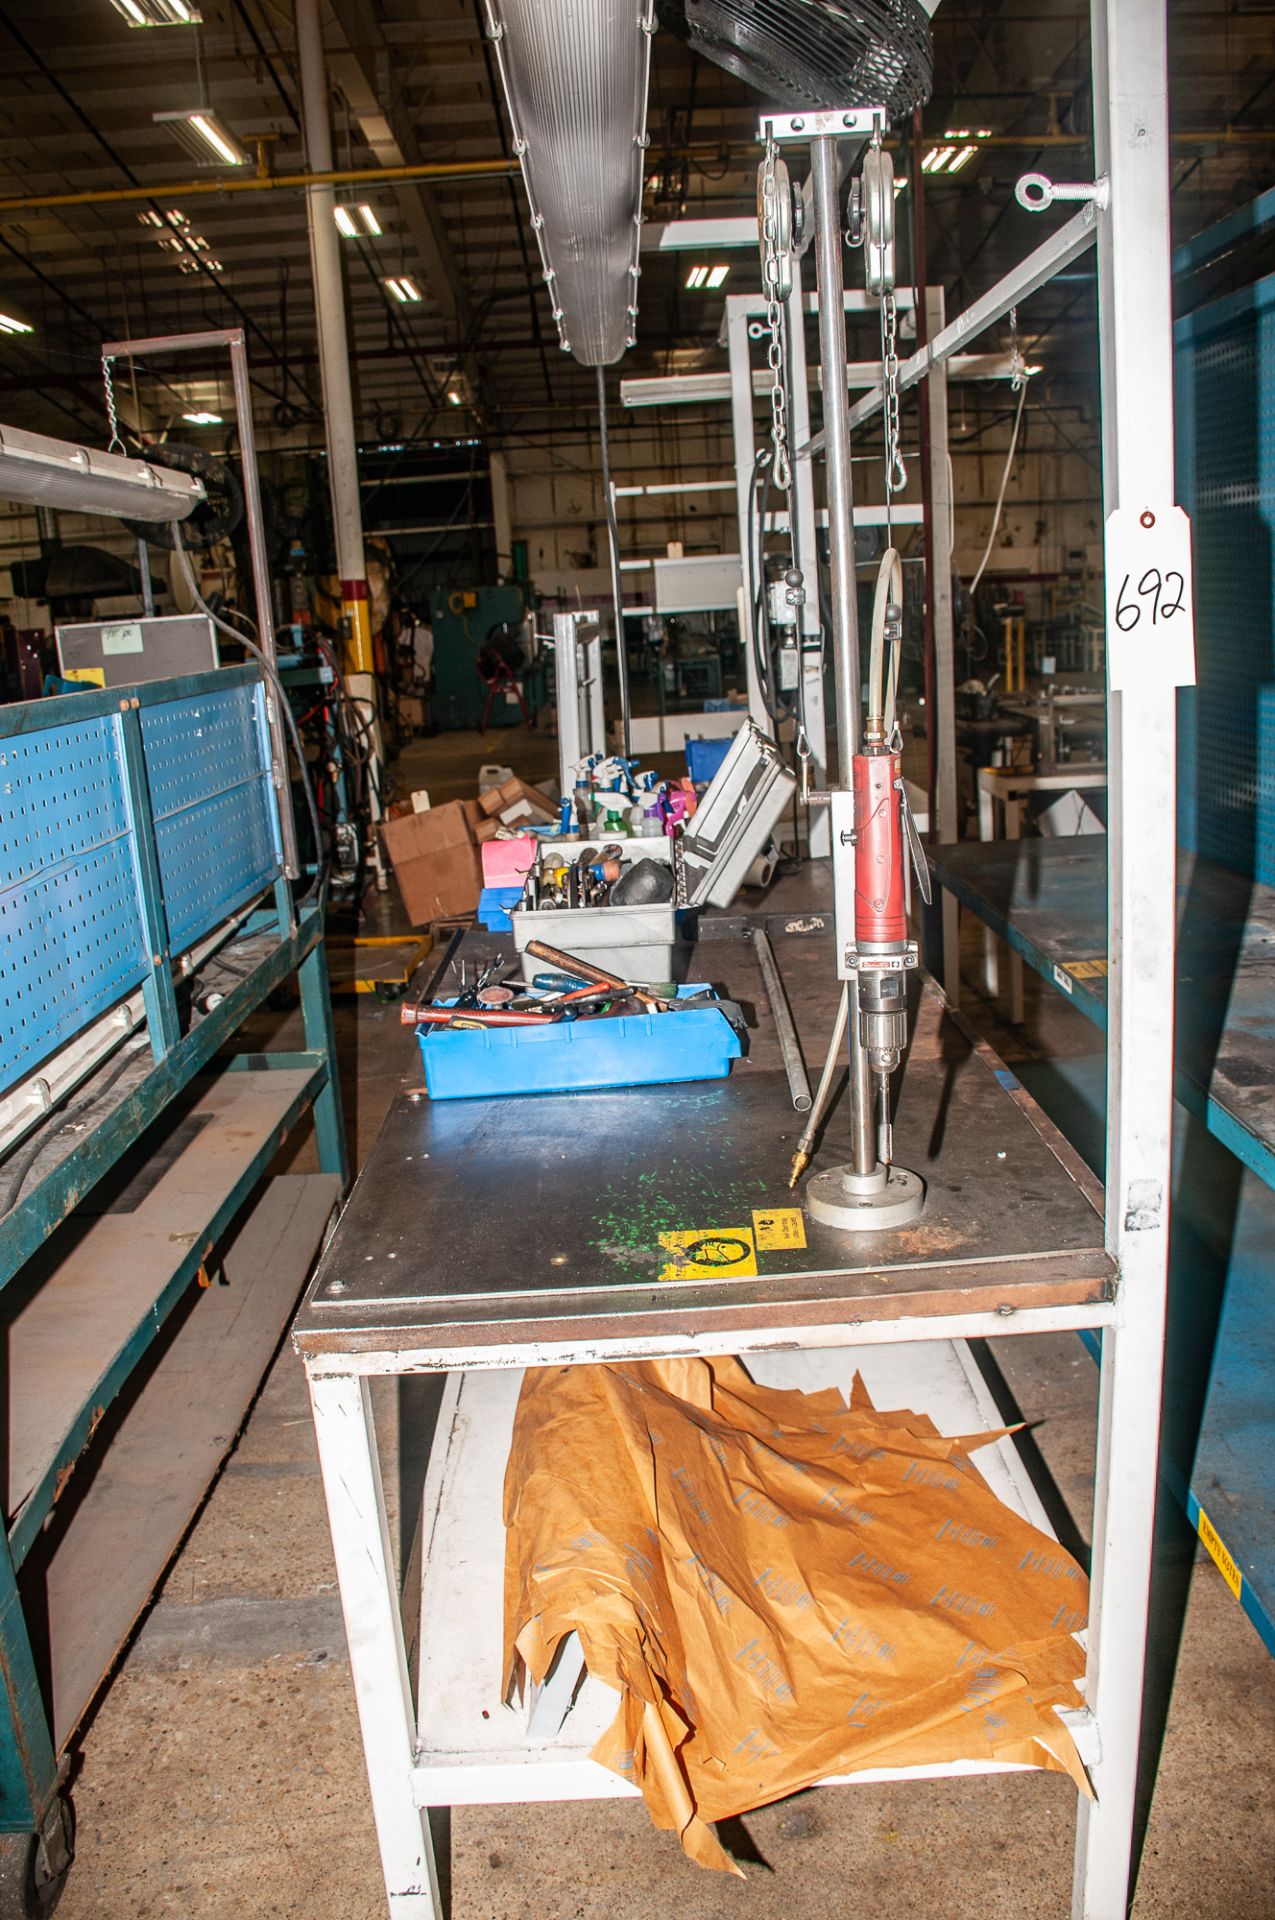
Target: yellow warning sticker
x=1226, y=1566
x=709, y=1253
x=1086, y=969
x=88, y=676
x=777, y=1228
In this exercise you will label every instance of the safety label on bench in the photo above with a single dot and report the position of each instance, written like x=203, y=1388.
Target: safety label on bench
x=775, y=1229
x=709, y=1253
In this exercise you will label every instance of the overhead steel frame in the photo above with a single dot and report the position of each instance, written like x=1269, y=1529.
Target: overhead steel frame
x=1128, y=218
x=232, y=339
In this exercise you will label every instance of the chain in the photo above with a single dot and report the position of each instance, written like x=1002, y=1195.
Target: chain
x=116, y=442
x=896, y=473
x=781, y=473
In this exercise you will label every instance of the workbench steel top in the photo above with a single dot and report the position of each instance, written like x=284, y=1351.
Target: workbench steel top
x=508, y=1228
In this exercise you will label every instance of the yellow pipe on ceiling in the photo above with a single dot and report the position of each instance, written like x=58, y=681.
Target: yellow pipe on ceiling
x=426, y=173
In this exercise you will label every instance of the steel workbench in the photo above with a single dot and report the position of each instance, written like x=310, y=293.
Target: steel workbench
x=484, y=1236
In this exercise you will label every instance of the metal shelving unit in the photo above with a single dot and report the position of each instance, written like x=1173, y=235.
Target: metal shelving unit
x=148, y=1262
x=1047, y=899
x=139, y=852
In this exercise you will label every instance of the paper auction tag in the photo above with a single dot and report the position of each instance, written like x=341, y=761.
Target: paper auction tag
x=778, y=1227
x=709, y=1253
x=1150, y=612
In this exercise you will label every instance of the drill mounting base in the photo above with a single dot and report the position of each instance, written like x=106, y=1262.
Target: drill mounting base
x=872, y=1203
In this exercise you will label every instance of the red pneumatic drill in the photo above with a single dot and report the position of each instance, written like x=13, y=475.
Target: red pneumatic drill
x=874, y=820
x=884, y=954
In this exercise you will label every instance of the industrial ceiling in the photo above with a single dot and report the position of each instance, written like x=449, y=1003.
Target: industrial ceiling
x=413, y=84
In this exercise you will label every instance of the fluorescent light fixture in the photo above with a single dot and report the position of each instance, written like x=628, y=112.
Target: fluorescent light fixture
x=158, y=13
x=202, y=418
x=582, y=147
x=354, y=222
x=900, y=181
x=697, y=277
x=717, y=278
x=54, y=473
x=454, y=397
x=8, y=324
x=405, y=290
x=958, y=160
x=957, y=133
x=936, y=159
x=201, y=133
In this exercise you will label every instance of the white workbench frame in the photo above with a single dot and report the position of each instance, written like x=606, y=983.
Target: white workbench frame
x=1132, y=235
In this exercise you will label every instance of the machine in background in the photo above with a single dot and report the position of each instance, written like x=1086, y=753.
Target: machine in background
x=485, y=668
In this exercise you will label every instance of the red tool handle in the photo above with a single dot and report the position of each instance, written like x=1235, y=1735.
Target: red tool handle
x=478, y=1016
x=880, y=915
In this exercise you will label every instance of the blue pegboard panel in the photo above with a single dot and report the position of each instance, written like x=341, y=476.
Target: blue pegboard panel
x=71, y=930
x=216, y=827
x=1224, y=392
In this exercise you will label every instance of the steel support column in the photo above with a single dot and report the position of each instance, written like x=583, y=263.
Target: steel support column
x=334, y=352
x=1131, y=141
x=944, y=825
x=843, y=588
x=806, y=553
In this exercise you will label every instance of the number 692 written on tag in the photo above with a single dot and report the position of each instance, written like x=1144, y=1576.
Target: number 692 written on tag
x=1150, y=620
x=1159, y=594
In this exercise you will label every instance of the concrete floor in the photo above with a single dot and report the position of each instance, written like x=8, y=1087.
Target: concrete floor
x=223, y=1774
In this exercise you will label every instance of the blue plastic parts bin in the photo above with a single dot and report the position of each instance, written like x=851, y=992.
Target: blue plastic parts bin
x=635, y=1050
x=493, y=907
x=704, y=757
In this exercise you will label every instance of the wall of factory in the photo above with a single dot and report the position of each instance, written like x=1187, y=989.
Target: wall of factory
x=1051, y=523
x=556, y=502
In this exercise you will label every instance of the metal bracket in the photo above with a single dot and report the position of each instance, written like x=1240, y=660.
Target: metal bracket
x=831, y=122
x=1036, y=191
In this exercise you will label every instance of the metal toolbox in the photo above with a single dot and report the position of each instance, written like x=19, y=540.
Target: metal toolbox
x=731, y=827
x=637, y=943
x=734, y=820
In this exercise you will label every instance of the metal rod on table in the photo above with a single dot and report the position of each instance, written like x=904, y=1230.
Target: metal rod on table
x=781, y=1014
x=844, y=587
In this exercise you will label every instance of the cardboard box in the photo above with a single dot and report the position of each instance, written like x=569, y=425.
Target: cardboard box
x=513, y=800
x=436, y=864
x=479, y=825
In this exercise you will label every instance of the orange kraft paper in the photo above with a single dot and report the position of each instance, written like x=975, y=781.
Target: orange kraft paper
x=780, y=1587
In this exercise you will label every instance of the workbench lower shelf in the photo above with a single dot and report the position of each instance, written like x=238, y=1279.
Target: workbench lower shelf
x=473, y=1750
